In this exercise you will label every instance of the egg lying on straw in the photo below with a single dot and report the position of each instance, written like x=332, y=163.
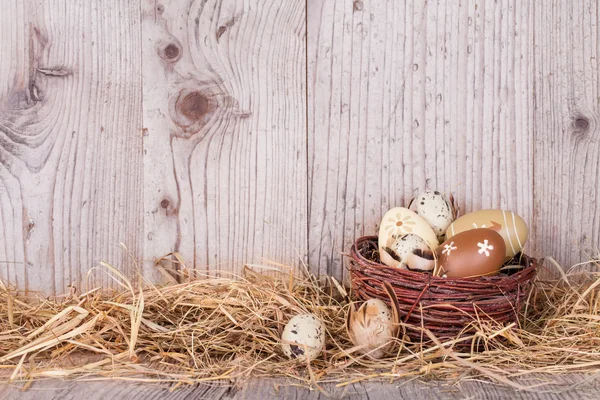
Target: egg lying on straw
x=303, y=337
x=373, y=327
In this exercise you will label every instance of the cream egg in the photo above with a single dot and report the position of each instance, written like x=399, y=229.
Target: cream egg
x=400, y=221
x=435, y=209
x=371, y=327
x=303, y=337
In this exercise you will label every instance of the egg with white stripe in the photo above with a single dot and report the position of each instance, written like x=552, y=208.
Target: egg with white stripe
x=509, y=225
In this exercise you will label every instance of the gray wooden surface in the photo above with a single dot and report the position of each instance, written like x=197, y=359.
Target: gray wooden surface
x=279, y=389
x=71, y=179
x=416, y=95
x=496, y=101
x=237, y=131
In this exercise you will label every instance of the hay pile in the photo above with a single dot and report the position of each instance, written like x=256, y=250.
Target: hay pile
x=228, y=329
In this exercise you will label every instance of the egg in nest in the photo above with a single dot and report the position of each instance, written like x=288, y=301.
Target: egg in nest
x=400, y=221
x=472, y=253
x=408, y=252
x=302, y=337
x=435, y=209
x=371, y=327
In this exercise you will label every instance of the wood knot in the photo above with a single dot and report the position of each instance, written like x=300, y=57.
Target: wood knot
x=582, y=123
x=357, y=6
x=223, y=28
x=169, y=208
x=171, y=52
x=194, y=106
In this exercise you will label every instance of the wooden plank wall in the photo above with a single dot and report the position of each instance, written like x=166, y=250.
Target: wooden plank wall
x=566, y=93
x=497, y=102
x=240, y=131
x=225, y=131
x=71, y=179
x=416, y=96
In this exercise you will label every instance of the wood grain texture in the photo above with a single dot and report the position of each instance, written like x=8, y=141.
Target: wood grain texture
x=235, y=131
x=567, y=387
x=408, y=96
x=567, y=130
x=70, y=140
x=225, y=138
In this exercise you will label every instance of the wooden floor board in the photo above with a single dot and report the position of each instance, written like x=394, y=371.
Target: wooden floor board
x=567, y=387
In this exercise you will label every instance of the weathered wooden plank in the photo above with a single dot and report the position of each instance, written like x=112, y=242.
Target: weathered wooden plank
x=567, y=130
x=405, y=96
x=402, y=96
x=70, y=140
x=567, y=387
x=225, y=139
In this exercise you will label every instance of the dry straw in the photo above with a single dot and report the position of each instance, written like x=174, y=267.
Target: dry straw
x=228, y=329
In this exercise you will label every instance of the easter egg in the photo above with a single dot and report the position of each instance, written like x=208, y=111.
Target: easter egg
x=302, y=337
x=509, y=225
x=395, y=254
x=371, y=327
x=409, y=252
x=401, y=221
x=420, y=260
x=435, y=209
x=475, y=252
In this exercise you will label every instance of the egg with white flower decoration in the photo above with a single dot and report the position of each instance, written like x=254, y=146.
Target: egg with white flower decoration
x=303, y=337
x=508, y=224
x=473, y=253
x=400, y=221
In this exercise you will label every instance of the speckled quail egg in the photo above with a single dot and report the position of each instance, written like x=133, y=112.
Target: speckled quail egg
x=408, y=252
x=435, y=209
x=302, y=337
x=421, y=260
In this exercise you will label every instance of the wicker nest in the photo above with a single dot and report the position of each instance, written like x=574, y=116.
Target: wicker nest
x=447, y=307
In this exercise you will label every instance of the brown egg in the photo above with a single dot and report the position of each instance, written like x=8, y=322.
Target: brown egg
x=476, y=252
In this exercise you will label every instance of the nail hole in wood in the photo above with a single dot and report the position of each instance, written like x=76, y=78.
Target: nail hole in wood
x=160, y=8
